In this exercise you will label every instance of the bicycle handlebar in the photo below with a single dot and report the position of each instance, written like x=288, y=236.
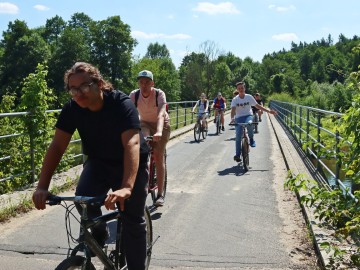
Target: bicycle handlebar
x=95, y=201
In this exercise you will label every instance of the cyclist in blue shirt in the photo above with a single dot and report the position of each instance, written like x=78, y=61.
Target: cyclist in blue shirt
x=219, y=105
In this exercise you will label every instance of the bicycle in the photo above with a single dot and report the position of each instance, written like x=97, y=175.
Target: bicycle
x=152, y=181
x=245, y=144
x=199, y=129
x=218, y=121
x=87, y=245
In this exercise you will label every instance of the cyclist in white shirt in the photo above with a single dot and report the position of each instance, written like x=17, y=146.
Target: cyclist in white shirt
x=241, y=112
x=203, y=105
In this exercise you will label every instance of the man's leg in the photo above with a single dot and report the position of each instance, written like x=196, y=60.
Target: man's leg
x=222, y=120
x=134, y=233
x=159, y=151
x=250, y=129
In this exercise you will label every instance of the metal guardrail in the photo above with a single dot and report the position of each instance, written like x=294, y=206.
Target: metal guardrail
x=179, y=112
x=306, y=125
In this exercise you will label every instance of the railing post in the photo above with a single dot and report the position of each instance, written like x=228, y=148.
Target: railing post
x=318, y=140
x=32, y=152
x=300, y=125
x=337, y=163
x=177, y=115
x=185, y=114
x=307, y=129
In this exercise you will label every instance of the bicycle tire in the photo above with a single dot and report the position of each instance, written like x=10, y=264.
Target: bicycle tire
x=149, y=242
x=153, y=181
x=73, y=263
x=217, y=125
x=205, y=131
x=197, y=132
x=245, y=154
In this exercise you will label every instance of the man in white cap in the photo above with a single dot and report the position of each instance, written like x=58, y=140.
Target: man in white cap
x=151, y=104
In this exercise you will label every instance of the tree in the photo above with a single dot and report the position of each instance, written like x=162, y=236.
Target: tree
x=111, y=50
x=23, y=50
x=54, y=28
x=191, y=76
x=155, y=50
x=72, y=47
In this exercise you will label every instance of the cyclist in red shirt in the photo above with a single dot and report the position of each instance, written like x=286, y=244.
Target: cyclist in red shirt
x=219, y=105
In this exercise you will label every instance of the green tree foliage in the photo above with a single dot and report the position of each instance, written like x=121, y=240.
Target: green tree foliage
x=191, y=74
x=111, y=51
x=155, y=50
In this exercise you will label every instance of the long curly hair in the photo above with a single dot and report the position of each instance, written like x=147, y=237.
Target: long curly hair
x=95, y=75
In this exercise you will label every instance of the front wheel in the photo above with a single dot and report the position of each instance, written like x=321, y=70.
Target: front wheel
x=245, y=154
x=75, y=262
x=197, y=132
x=153, y=181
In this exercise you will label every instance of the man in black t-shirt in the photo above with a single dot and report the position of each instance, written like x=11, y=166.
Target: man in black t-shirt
x=255, y=110
x=109, y=127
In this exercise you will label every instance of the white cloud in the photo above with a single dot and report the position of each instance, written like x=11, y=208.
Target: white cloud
x=285, y=37
x=8, y=8
x=143, y=35
x=41, y=7
x=171, y=17
x=282, y=9
x=213, y=9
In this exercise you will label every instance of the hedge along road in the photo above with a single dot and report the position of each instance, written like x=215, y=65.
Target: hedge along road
x=214, y=217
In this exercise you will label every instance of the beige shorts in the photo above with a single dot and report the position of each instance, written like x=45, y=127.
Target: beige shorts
x=150, y=129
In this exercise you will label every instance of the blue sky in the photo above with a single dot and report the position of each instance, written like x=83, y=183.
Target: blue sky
x=244, y=27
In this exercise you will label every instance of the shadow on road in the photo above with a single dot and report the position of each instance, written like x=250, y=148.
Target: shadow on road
x=235, y=170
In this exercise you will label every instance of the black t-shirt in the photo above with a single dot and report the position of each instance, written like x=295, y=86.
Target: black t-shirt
x=101, y=131
x=259, y=101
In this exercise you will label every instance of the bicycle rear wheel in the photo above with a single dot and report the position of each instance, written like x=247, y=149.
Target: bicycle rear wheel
x=197, y=132
x=153, y=181
x=205, y=130
x=245, y=154
x=73, y=263
x=218, y=125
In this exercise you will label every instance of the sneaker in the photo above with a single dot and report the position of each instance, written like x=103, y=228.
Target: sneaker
x=260, y=120
x=237, y=158
x=214, y=121
x=160, y=201
x=223, y=128
x=252, y=143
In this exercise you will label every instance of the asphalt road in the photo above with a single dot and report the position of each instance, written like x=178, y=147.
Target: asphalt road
x=215, y=215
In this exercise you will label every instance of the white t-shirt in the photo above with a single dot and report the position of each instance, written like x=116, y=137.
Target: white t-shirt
x=202, y=105
x=243, y=105
x=147, y=106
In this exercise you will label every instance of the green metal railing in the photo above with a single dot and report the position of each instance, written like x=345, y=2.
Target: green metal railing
x=311, y=127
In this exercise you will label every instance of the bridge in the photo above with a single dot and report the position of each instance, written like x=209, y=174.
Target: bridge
x=216, y=215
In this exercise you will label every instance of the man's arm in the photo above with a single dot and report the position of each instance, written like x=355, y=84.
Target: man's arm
x=258, y=106
x=131, y=142
x=51, y=161
x=233, y=112
x=160, y=122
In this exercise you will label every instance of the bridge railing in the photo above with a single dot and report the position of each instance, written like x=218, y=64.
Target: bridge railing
x=312, y=129
x=17, y=149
